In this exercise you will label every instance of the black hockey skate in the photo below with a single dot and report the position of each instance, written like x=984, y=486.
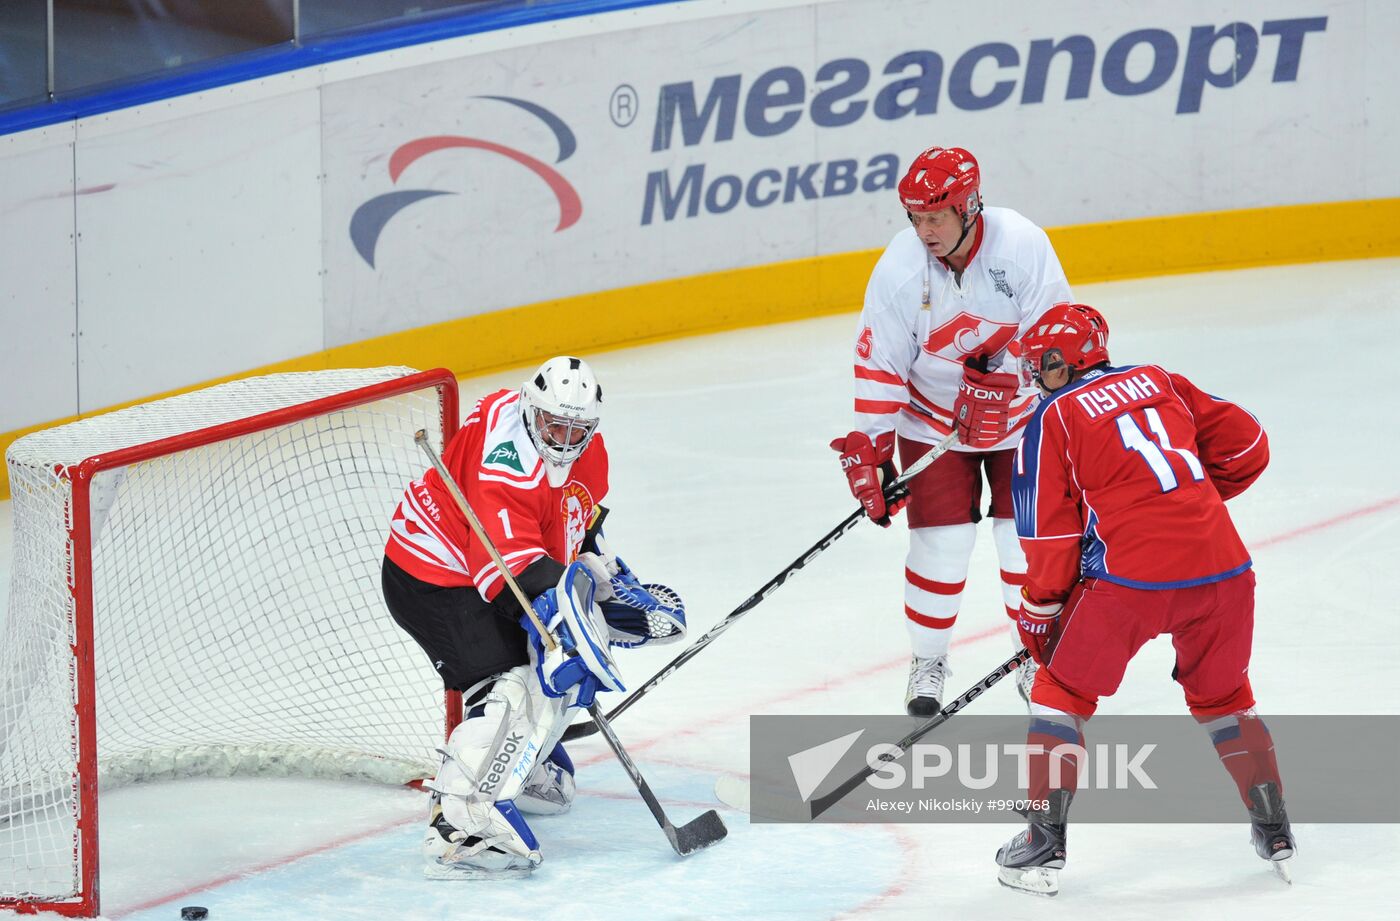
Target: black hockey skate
x=1031, y=861
x=1269, y=829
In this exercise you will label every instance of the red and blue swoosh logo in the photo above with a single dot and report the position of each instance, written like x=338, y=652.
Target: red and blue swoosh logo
x=370, y=219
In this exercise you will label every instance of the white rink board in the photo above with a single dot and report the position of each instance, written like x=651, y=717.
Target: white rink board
x=38, y=314
x=213, y=230
x=200, y=247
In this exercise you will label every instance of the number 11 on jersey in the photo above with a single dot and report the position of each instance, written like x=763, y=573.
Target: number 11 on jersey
x=1134, y=439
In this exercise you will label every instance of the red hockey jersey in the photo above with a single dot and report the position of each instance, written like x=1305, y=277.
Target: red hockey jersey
x=1122, y=476
x=494, y=461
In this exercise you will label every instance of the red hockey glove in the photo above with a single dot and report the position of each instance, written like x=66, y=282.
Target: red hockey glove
x=1038, y=624
x=982, y=411
x=868, y=467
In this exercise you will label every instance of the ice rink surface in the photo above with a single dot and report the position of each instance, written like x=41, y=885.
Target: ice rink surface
x=721, y=476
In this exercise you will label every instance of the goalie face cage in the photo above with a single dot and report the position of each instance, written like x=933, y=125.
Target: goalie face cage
x=195, y=591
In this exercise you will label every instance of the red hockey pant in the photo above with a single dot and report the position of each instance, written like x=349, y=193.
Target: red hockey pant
x=1104, y=625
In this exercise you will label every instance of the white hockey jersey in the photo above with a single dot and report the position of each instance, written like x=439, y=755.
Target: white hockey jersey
x=920, y=323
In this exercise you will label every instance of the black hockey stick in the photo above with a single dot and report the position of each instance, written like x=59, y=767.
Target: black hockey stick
x=701, y=831
x=823, y=803
x=896, y=490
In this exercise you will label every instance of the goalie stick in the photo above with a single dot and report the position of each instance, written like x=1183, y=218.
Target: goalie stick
x=896, y=490
x=822, y=803
x=700, y=832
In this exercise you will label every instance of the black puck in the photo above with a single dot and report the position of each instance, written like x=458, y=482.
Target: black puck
x=194, y=913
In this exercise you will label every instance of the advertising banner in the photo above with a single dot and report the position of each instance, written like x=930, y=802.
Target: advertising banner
x=578, y=165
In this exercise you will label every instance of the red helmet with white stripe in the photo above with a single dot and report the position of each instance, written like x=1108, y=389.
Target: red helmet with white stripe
x=943, y=177
x=1073, y=334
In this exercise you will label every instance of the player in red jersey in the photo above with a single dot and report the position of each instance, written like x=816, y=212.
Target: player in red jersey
x=534, y=470
x=1119, y=486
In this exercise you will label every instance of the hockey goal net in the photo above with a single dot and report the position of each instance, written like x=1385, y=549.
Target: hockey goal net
x=195, y=591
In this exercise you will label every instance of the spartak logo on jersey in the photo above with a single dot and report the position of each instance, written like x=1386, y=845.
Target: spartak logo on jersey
x=576, y=505
x=866, y=343
x=968, y=335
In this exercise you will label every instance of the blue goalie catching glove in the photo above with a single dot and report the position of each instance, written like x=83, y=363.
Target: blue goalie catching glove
x=581, y=659
x=639, y=613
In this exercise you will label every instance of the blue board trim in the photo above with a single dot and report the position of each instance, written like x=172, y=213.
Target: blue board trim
x=279, y=59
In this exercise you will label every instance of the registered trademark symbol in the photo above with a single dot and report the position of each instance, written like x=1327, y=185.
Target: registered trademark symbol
x=622, y=108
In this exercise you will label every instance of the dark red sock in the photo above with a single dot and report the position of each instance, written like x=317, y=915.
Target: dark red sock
x=1246, y=749
x=1049, y=734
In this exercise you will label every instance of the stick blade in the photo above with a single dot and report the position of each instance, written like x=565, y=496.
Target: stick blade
x=822, y=803
x=698, y=833
x=579, y=731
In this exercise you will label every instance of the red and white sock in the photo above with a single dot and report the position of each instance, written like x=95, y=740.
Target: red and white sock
x=935, y=572
x=1013, y=570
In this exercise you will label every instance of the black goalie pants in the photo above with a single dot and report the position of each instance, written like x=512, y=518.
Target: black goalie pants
x=466, y=639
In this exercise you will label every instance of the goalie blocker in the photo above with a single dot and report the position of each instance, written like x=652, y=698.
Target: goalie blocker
x=468, y=639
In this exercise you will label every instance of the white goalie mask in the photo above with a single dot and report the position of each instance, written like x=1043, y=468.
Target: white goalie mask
x=560, y=406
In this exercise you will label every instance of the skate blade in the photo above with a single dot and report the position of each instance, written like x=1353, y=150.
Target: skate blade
x=531, y=805
x=447, y=869
x=1283, y=869
x=1031, y=880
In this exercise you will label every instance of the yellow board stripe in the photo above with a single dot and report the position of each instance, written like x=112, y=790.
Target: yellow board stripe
x=803, y=288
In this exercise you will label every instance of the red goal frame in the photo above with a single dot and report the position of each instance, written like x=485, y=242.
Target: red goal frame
x=81, y=584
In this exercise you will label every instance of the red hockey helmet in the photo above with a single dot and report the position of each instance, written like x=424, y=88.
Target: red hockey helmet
x=1077, y=332
x=943, y=177
x=1095, y=318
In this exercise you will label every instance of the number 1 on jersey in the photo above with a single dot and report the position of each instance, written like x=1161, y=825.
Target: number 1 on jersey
x=505, y=523
x=1134, y=439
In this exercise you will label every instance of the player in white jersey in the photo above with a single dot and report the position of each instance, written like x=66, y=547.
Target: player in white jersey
x=948, y=295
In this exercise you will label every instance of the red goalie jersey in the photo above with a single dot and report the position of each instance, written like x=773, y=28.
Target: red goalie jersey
x=1122, y=476
x=494, y=461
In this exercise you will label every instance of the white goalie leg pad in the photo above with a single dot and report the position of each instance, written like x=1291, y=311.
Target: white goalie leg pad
x=550, y=789
x=475, y=829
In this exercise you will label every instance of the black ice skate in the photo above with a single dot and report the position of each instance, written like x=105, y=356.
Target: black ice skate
x=1031, y=861
x=1269, y=829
